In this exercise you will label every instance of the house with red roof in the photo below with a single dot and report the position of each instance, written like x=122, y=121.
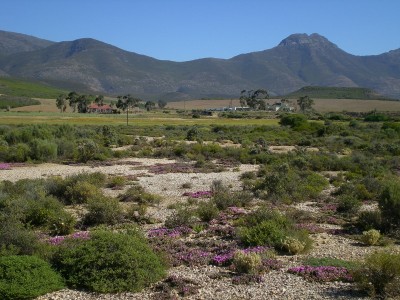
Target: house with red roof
x=99, y=109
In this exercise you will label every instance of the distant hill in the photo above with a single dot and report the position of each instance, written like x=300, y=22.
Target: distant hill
x=322, y=92
x=299, y=60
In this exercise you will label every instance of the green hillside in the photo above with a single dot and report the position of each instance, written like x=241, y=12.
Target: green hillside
x=20, y=88
x=337, y=93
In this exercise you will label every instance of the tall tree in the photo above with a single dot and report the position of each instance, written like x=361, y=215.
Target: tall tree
x=254, y=99
x=149, y=105
x=61, y=102
x=305, y=103
x=73, y=100
x=125, y=102
x=99, y=100
x=83, y=102
x=162, y=104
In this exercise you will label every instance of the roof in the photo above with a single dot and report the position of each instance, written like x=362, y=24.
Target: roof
x=96, y=106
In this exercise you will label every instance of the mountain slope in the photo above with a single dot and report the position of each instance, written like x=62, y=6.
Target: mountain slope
x=299, y=60
x=11, y=43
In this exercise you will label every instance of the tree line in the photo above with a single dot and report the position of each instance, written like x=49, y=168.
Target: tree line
x=80, y=102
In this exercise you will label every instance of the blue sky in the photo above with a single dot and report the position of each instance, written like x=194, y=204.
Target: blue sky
x=183, y=30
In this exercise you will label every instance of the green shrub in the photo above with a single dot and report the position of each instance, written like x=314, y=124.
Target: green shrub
x=182, y=216
x=15, y=238
x=116, y=182
x=371, y=237
x=292, y=245
x=81, y=192
x=348, y=204
x=248, y=263
x=137, y=194
x=19, y=152
x=87, y=150
x=109, y=262
x=271, y=228
x=102, y=210
x=43, y=150
x=26, y=277
x=369, y=220
x=389, y=203
x=379, y=274
x=207, y=211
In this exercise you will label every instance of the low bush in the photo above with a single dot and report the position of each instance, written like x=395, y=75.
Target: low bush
x=389, y=203
x=270, y=228
x=369, y=219
x=27, y=277
x=379, y=275
x=103, y=210
x=81, y=192
x=370, y=237
x=207, y=211
x=182, y=216
x=137, y=194
x=109, y=262
x=249, y=263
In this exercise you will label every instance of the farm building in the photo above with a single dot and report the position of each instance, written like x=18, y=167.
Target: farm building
x=99, y=109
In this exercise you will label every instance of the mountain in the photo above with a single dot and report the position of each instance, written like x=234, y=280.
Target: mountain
x=299, y=60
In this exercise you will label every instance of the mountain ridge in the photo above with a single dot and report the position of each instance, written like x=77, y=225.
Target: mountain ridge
x=298, y=60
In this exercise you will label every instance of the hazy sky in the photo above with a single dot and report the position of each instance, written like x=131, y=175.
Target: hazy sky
x=183, y=30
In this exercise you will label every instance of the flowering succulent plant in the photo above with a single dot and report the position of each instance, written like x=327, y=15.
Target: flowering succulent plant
x=322, y=273
x=57, y=240
x=5, y=166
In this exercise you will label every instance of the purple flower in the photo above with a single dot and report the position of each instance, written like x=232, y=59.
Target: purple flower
x=57, y=240
x=169, y=232
x=5, y=166
x=322, y=273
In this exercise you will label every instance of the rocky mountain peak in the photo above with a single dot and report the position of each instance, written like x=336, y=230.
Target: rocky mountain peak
x=303, y=39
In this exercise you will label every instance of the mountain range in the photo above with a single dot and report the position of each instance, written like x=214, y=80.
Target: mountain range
x=299, y=60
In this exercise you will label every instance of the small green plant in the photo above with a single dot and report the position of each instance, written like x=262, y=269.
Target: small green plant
x=248, y=263
x=207, y=211
x=371, y=237
x=27, y=277
x=182, y=216
x=379, y=275
x=186, y=185
x=137, y=194
x=293, y=245
x=117, y=182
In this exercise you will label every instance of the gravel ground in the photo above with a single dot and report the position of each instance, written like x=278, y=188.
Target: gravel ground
x=213, y=285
